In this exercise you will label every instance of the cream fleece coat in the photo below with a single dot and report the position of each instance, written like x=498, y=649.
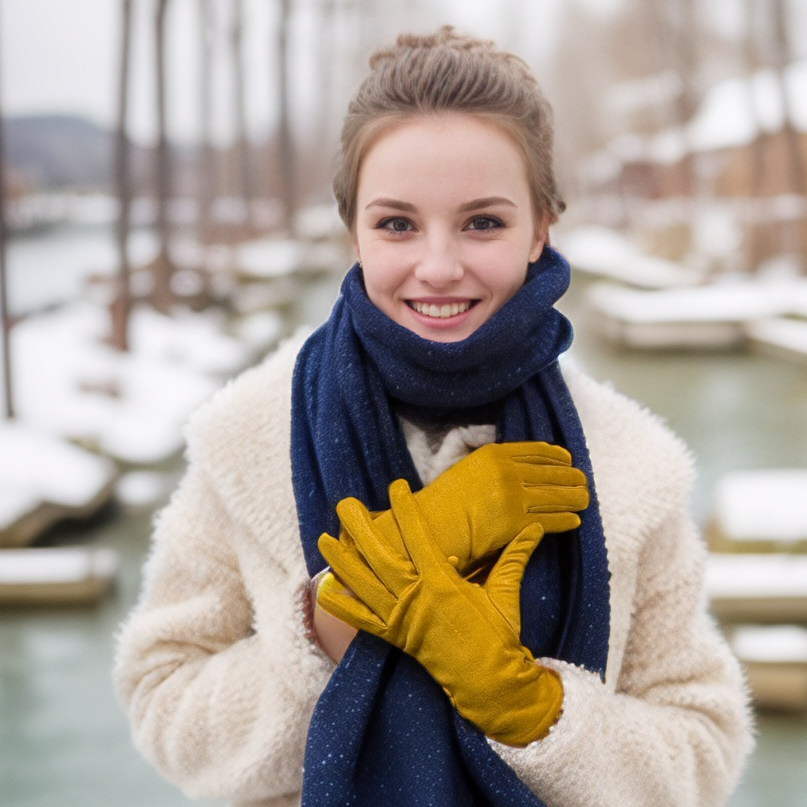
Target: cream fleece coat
x=219, y=678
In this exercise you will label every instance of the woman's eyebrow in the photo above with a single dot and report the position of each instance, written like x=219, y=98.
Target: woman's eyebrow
x=397, y=204
x=487, y=201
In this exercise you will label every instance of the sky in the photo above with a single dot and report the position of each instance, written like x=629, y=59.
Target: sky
x=62, y=55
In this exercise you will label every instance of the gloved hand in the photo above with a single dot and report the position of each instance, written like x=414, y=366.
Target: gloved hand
x=480, y=503
x=465, y=635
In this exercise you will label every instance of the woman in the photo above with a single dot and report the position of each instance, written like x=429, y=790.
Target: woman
x=598, y=679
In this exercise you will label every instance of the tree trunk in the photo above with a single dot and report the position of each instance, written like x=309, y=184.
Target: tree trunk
x=207, y=166
x=121, y=299
x=5, y=324
x=163, y=268
x=240, y=111
x=285, y=144
x=793, y=232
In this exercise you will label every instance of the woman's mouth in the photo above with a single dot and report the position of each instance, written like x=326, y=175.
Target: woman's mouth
x=440, y=311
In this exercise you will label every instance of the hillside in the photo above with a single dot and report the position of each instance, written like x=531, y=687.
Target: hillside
x=47, y=152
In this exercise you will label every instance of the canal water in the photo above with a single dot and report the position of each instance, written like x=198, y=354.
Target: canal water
x=64, y=741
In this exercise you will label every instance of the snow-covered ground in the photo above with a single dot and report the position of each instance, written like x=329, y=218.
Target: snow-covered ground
x=603, y=251
x=69, y=383
x=79, y=402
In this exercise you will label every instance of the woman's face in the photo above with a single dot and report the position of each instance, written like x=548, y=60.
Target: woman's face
x=444, y=224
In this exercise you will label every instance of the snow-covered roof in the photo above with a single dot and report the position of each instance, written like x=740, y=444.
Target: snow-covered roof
x=732, y=113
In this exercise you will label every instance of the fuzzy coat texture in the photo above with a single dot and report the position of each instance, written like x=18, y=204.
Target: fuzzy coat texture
x=219, y=677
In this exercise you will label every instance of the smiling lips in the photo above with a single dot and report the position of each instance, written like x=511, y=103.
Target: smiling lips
x=443, y=311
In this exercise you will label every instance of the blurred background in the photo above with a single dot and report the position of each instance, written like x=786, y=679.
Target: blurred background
x=167, y=218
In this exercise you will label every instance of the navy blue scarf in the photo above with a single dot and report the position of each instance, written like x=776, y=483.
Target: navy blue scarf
x=383, y=732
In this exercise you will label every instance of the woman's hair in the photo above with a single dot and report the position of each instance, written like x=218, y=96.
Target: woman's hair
x=447, y=72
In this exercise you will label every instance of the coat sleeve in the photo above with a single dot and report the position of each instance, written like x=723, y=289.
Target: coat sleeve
x=219, y=688
x=674, y=729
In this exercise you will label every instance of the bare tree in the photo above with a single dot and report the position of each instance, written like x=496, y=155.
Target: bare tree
x=5, y=324
x=240, y=109
x=163, y=267
x=285, y=144
x=207, y=163
x=781, y=58
x=121, y=300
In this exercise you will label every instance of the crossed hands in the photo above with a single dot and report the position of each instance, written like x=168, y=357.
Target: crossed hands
x=399, y=576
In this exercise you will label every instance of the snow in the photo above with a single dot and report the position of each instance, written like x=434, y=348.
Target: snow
x=272, y=258
x=70, y=384
x=141, y=489
x=735, y=110
x=732, y=113
x=749, y=576
x=269, y=257
x=783, y=333
x=61, y=565
x=603, y=251
x=735, y=301
x=37, y=467
x=777, y=643
x=763, y=505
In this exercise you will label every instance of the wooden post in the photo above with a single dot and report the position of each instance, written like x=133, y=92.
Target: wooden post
x=5, y=323
x=121, y=302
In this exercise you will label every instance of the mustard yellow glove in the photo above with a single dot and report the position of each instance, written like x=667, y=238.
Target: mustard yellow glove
x=480, y=503
x=465, y=635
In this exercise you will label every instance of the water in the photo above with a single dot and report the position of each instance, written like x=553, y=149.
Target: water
x=64, y=741
x=52, y=267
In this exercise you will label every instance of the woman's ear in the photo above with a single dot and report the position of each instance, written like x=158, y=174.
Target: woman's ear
x=354, y=247
x=540, y=236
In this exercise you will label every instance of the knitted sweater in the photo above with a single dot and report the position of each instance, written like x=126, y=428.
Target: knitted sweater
x=219, y=677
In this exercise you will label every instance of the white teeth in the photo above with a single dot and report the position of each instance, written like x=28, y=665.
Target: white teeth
x=440, y=311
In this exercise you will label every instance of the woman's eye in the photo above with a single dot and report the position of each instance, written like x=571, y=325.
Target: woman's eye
x=484, y=223
x=396, y=225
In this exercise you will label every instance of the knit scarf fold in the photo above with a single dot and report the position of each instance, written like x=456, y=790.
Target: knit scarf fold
x=383, y=732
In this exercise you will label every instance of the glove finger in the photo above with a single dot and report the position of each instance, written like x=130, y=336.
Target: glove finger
x=538, y=453
x=393, y=570
x=558, y=522
x=554, y=499
x=354, y=573
x=503, y=585
x=560, y=475
x=413, y=528
x=338, y=603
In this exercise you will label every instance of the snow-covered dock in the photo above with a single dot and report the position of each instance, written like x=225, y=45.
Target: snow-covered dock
x=44, y=479
x=760, y=511
x=55, y=576
x=84, y=409
x=757, y=588
x=775, y=660
x=710, y=316
x=783, y=337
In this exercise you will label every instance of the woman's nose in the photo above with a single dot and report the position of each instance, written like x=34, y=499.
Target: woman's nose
x=439, y=265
